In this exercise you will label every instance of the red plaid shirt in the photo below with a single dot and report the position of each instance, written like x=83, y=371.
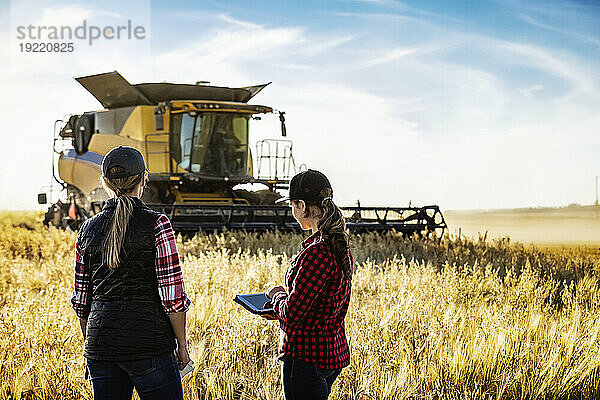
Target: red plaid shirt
x=170, y=280
x=311, y=312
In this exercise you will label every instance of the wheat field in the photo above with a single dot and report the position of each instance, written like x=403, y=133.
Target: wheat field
x=430, y=318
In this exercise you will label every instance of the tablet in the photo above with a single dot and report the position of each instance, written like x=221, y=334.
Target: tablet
x=255, y=303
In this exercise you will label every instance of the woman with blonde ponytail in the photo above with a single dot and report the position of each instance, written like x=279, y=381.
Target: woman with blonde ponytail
x=312, y=306
x=128, y=292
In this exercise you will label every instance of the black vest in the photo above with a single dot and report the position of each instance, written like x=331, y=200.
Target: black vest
x=126, y=321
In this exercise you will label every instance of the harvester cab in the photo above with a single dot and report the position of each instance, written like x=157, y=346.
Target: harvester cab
x=195, y=141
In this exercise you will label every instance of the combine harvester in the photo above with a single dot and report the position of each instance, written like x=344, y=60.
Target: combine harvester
x=195, y=141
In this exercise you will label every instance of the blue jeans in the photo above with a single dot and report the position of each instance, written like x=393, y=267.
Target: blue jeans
x=304, y=381
x=155, y=377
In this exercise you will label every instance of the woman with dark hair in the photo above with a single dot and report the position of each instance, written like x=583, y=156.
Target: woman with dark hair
x=312, y=307
x=128, y=292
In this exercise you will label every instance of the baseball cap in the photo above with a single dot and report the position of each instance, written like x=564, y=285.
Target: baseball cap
x=307, y=186
x=128, y=158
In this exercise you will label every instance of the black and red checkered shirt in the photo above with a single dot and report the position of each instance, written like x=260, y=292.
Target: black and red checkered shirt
x=311, y=312
x=170, y=280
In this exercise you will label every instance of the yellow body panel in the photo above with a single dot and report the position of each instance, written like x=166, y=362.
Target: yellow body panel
x=101, y=143
x=140, y=123
x=83, y=171
x=138, y=128
x=65, y=169
x=83, y=174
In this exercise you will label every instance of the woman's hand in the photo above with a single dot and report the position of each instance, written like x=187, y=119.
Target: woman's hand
x=273, y=290
x=269, y=316
x=182, y=355
x=270, y=293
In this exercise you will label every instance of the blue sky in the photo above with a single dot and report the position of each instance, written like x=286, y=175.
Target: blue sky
x=466, y=104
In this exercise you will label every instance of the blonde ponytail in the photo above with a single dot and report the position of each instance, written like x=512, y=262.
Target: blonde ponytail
x=119, y=188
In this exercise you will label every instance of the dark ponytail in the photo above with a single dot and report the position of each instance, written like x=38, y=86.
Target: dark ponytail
x=332, y=225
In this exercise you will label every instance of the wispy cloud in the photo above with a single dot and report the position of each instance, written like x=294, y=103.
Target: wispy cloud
x=407, y=14
x=389, y=3
x=192, y=15
x=528, y=92
x=236, y=22
x=387, y=56
x=561, y=65
x=242, y=44
x=74, y=15
x=318, y=47
x=386, y=16
x=70, y=15
x=576, y=35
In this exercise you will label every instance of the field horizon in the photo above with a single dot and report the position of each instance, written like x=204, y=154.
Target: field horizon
x=574, y=225
x=544, y=226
